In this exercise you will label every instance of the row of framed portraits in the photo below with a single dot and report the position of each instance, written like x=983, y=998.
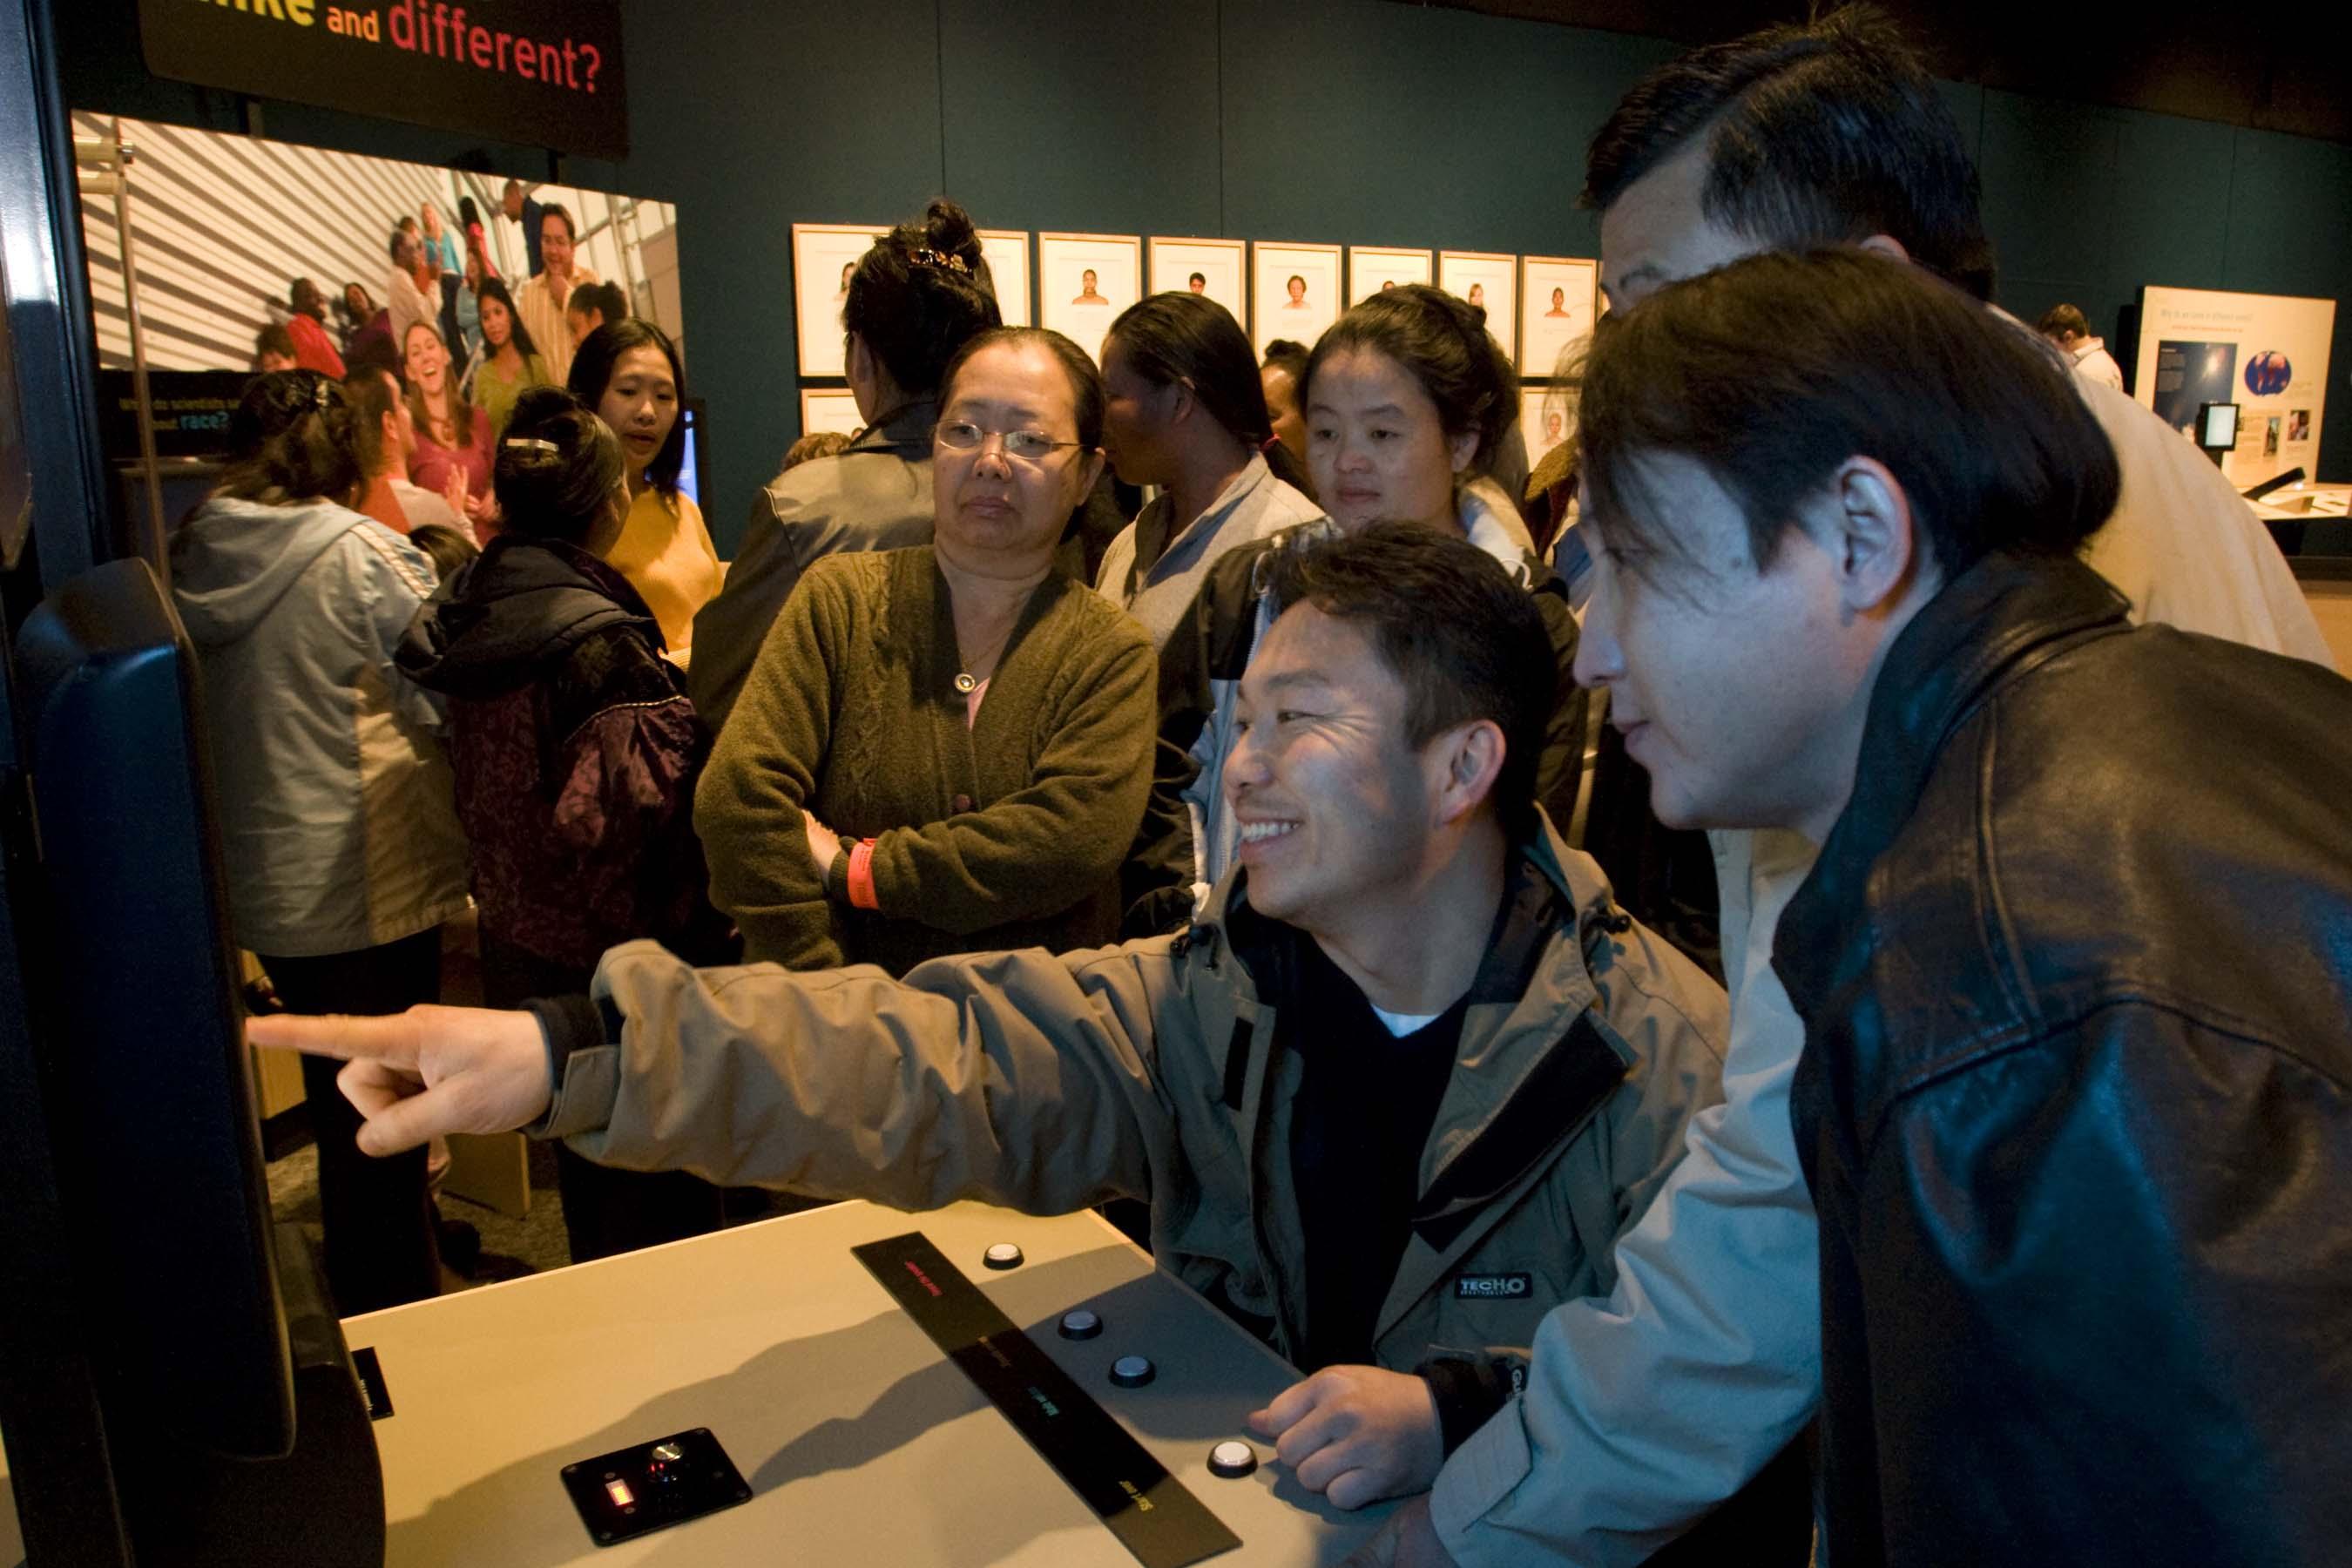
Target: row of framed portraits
x=1537, y=307
x=1546, y=416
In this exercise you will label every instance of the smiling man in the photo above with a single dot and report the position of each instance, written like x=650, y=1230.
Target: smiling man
x=1392, y=1097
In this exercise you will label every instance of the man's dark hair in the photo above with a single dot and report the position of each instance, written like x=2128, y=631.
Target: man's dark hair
x=557, y=210
x=592, y=373
x=920, y=294
x=373, y=391
x=272, y=339
x=1773, y=371
x=2062, y=321
x=1085, y=381
x=1189, y=338
x=1823, y=133
x=558, y=493
x=604, y=300
x=1287, y=354
x=1463, y=638
x=1442, y=343
x=291, y=438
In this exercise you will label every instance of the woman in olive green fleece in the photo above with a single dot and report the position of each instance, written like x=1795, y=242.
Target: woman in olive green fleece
x=945, y=749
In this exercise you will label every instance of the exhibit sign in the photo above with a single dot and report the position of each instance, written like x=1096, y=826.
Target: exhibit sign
x=2266, y=352
x=1084, y=281
x=823, y=256
x=544, y=74
x=1489, y=280
x=1216, y=267
x=1555, y=310
x=1372, y=268
x=1006, y=251
x=1294, y=291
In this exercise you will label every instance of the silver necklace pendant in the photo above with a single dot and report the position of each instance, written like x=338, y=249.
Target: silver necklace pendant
x=965, y=683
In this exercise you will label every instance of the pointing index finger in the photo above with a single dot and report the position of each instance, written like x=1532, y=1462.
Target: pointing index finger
x=391, y=1040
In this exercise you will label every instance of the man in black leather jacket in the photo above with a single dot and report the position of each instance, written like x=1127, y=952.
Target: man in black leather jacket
x=2075, y=963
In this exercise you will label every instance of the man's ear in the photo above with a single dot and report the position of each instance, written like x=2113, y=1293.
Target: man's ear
x=1871, y=537
x=1471, y=758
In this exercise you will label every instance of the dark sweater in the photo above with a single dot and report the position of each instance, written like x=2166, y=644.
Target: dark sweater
x=1003, y=834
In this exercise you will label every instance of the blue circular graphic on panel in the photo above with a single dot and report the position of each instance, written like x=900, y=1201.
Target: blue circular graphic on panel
x=2268, y=373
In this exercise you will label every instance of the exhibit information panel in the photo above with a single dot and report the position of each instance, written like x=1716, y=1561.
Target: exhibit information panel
x=2266, y=352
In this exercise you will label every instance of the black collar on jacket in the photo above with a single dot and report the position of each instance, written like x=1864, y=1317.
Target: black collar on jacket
x=523, y=602
x=905, y=429
x=1996, y=621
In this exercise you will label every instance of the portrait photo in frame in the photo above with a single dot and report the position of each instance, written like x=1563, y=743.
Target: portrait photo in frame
x=1084, y=281
x=1221, y=265
x=1491, y=282
x=822, y=256
x=1294, y=291
x=1007, y=250
x=1556, y=295
x=1372, y=268
x=829, y=408
x=1546, y=418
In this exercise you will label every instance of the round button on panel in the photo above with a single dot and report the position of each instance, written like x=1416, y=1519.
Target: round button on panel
x=1232, y=1460
x=1133, y=1370
x=1004, y=1255
x=1081, y=1324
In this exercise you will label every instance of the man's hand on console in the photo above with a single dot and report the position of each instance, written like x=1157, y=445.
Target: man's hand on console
x=1357, y=1434
x=427, y=1071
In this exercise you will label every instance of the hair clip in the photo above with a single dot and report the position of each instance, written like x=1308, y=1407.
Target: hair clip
x=530, y=444
x=323, y=393
x=926, y=256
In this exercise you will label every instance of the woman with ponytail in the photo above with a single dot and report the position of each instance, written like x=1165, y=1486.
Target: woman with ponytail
x=576, y=754
x=1409, y=407
x=1184, y=409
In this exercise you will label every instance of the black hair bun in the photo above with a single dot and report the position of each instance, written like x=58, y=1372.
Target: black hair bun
x=948, y=229
x=540, y=406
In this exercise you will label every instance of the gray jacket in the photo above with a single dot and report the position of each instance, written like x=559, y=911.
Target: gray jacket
x=874, y=495
x=337, y=805
x=1154, y=1069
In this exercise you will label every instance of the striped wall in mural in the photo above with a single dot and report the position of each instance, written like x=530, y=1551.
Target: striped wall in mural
x=222, y=225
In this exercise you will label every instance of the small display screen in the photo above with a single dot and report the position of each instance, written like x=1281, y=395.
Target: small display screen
x=668, y=1481
x=2220, y=426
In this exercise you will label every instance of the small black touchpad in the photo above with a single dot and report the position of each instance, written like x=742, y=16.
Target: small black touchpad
x=654, y=1485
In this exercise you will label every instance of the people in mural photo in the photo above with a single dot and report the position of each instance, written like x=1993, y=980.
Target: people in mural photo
x=1088, y=293
x=453, y=439
x=1558, y=303
x=1197, y=283
x=1297, y=288
x=848, y=271
x=510, y=361
x=1478, y=295
x=313, y=349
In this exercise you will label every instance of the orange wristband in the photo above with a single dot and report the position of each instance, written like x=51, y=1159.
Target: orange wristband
x=861, y=876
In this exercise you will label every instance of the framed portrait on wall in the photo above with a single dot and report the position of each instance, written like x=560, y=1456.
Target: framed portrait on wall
x=1084, y=281
x=829, y=408
x=1216, y=267
x=1294, y=291
x=1007, y=252
x=1547, y=417
x=1555, y=295
x=1490, y=281
x=1372, y=268
x=824, y=256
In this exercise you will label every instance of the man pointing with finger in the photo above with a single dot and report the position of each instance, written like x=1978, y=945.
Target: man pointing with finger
x=1391, y=1098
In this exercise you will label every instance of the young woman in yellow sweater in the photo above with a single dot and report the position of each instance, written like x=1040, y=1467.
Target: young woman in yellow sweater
x=629, y=373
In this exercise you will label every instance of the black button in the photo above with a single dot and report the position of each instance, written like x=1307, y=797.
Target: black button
x=1081, y=1324
x=1133, y=1370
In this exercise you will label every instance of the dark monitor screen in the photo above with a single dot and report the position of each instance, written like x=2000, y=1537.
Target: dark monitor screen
x=693, y=478
x=151, y=1101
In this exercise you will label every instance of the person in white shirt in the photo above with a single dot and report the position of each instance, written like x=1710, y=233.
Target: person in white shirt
x=412, y=292
x=2066, y=326
x=1647, y=1409
x=1184, y=410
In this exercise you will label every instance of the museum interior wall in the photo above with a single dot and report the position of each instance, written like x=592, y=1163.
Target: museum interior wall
x=1346, y=121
